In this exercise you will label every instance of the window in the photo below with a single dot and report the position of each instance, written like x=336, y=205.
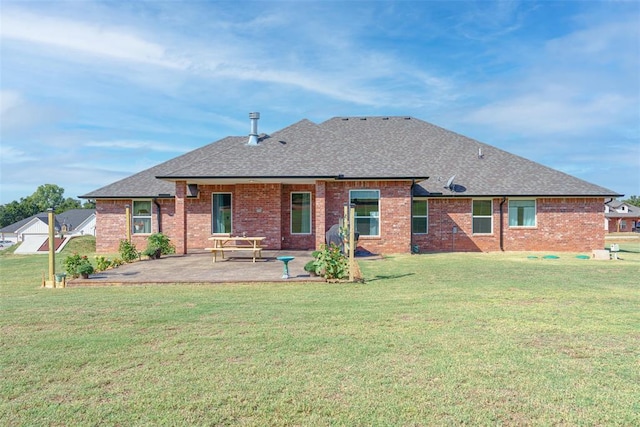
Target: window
x=221, y=213
x=367, y=216
x=522, y=213
x=300, y=213
x=420, y=217
x=482, y=217
x=141, y=217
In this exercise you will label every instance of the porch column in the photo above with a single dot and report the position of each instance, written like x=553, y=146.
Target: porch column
x=320, y=213
x=180, y=218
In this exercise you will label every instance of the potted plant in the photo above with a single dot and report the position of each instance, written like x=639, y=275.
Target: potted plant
x=158, y=244
x=85, y=268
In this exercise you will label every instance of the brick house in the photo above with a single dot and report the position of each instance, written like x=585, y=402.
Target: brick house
x=621, y=217
x=416, y=187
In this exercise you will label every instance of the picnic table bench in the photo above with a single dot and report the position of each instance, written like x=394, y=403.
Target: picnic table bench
x=224, y=244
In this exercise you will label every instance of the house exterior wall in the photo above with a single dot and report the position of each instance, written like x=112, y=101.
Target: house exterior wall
x=562, y=224
x=395, y=213
x=623, y=224
x=297, y=241
x=111, y=223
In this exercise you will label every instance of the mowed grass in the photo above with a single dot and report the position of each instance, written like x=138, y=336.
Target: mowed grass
x=471, y=339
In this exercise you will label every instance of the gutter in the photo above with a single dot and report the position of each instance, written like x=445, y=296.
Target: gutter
x=413, y=183
x=504, y=199
x=159, y=214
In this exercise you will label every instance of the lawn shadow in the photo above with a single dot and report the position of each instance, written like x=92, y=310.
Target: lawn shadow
x=390, y=276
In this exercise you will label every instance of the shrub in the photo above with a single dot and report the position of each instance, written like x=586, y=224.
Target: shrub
x=71, y=264
x=85, y=268
x=75, y=265
x=330, y=262
x=117, y=262
x=102, y=263
x=310, y=267
x=128, y=251
x=158, y=243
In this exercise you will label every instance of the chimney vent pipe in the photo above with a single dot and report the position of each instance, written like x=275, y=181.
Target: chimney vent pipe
x=253, y=136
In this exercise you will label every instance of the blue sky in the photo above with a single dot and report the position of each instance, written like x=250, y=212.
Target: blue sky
x=93, y=92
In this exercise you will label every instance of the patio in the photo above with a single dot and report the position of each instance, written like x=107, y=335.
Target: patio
x=198, y=267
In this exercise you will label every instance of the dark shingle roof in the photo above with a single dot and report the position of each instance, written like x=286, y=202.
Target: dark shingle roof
x=366, y=148
x=72, y=217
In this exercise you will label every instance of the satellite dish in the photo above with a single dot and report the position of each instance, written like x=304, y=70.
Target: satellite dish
x=450, y=183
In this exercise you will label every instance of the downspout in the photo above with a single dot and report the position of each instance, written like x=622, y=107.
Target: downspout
x=159, y=214
x=413, y=183
x=504, y=199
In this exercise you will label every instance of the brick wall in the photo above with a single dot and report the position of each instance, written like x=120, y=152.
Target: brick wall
x=111, y=223
x=296, y=241
x=563, y=224
x=395, y=213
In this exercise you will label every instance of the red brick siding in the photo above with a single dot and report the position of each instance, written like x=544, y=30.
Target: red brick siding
x=111, y=223
x=296, y=241
x=563, y=224
x=320, y=224
x=255, y=211
x=395, y=213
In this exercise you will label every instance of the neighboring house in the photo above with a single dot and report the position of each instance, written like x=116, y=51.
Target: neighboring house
x=33, y=231
x=416, y=187
x=621, y=217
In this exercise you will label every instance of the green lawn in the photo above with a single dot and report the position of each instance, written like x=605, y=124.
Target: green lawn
x=472, y=339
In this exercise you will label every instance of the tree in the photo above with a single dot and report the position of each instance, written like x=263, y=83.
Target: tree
x=633, y=200
x=46, y=196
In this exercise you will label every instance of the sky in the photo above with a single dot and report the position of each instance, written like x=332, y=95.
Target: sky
x=94, y=91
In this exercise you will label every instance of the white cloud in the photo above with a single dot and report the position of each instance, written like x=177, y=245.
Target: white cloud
x=10, y=155
x=88, y=38
x=140, y=145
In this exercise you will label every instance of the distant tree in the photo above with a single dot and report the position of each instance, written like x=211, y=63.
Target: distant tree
x=89, y=205
x=68, y=203
x=13, y=212
x=633, y=200
x=45, y=197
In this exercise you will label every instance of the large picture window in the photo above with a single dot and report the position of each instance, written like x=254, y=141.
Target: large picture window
x=301, y=213
x=221, y=213
x=522, y=213
x=420, y=217
x=367, y=215
x=141, y=217
x=482, y=217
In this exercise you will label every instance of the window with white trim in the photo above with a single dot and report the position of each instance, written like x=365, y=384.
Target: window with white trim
x=482, y=215
x=367, y=211
x=141, y=217
x=522, y=213
x=420, y=217
x=301, y=213
x=221, y=213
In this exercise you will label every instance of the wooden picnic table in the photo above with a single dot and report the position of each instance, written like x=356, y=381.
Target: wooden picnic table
x=224, y=244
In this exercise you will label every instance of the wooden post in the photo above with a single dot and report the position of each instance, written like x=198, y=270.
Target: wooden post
x=127, y=212
x=352, y=241
x=52, y=248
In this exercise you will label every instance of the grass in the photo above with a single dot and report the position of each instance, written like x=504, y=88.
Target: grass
x=472, y=339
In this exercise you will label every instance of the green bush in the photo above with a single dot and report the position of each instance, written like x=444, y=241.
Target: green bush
x=158, y=243
x=128, y=251
x=77, y=264
x=102, y=263
x=330, y=262
x=85, y=268
x=71, y=264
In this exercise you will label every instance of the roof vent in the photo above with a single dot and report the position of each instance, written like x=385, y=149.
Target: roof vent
x=253, y=136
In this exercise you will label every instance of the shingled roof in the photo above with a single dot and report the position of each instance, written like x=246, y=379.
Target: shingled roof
x=401, y=148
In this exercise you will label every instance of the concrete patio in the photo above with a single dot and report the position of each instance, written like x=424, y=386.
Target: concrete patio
x=198, y=267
